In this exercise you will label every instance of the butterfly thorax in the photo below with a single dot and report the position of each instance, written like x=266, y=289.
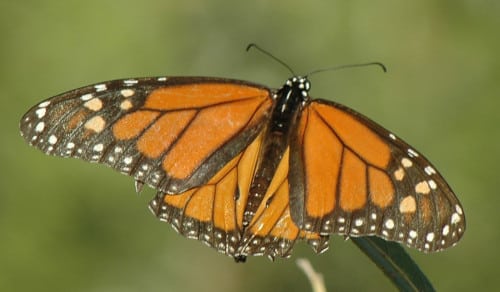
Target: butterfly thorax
x=290, y=99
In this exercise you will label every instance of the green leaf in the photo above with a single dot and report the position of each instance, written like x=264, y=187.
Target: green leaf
x=393, y=260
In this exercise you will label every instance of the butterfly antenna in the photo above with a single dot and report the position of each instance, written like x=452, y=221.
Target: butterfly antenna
x=252, y=45
x=348, y=66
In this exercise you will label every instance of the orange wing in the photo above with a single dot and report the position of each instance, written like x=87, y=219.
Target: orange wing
x=201, y=138
x=213, y=213
x=355, y=178
x=171, y=133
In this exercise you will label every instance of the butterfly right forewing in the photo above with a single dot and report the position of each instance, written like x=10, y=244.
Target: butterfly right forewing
x=359, y=179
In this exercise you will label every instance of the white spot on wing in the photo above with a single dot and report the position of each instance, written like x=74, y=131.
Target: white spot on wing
x=455, y=218
x=86, y=97
x=100, y=87
x=406, y=162
x=432, y=184
x=130, y=82
x=44, y=104
x=39, y=127
x=412, y=153
x=52, y=139
x=399, y=174
x=422, y=188
x=446, y=230
x=98, y=147
x=40, y=113
x=127, y=92
x=95, y=124
x=429, y=170
x=389, y=224
x=94, y=104
x=408, y=205
x=126, y=105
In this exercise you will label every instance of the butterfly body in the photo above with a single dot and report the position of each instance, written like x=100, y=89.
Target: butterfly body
x=284, y=115
x=249, y=170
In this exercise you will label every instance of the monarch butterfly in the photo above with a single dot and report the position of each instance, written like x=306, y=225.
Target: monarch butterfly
x=250, y=170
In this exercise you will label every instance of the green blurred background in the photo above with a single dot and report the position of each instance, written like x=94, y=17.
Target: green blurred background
x=67, y=225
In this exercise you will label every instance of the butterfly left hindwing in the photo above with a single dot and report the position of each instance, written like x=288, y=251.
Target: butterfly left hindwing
x=213, y=213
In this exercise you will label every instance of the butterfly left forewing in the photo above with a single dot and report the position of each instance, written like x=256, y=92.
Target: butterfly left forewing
x=145, y=127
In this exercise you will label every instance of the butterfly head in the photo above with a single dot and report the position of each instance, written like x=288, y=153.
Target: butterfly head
x=299, y=86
